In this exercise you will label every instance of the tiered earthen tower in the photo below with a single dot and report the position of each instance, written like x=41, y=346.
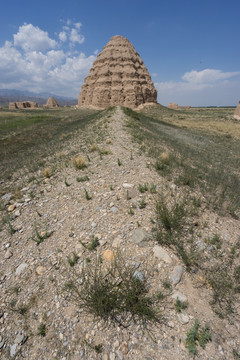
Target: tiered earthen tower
x=118, y=77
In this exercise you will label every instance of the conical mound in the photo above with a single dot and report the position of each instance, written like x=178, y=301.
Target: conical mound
x=237, y=112
x=52, y=103
x=118, y=77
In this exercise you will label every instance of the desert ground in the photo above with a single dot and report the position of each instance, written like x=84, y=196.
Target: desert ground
x=120, y=234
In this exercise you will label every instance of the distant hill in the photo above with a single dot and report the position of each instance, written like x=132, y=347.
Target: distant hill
x=7, y=96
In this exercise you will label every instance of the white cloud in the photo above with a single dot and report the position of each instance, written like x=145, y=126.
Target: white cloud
x=209, y=87
x=30, y=37
x=35, y=62
x=63, y=36
x=78, y=25
x=208, y=76
x=76, y=37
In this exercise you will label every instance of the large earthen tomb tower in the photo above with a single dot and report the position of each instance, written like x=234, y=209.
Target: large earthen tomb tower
x=118, y=77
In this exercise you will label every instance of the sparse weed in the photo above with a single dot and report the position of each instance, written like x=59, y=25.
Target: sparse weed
x=131, y=211
x=87, y=196
x=166, y=284
x=143, y=188
x=94, y=243
x=153, y=189
x=165, y=157
x=66, y=183
x=180, y=305
x=72, y=260
x=119, y=162
x=215, y=240
x=41, y=331
x=39, y=237
x=93, y=147
x=10, y=227
x=196, y=335
x=113, y=294
x=47, y=172
x=142, y=203
x=79, y=162
x=82, y=179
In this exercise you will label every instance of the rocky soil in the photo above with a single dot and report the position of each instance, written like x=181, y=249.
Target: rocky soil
x=40, y=320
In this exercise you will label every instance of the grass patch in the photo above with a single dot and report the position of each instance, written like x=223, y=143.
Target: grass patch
x=41, y=331
x=34, y=137
x=113, y=294
x=194, y=155
x=196, y=336
x=180, y=305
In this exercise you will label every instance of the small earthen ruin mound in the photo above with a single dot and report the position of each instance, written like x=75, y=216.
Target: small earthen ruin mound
x=174, y=106
x=237, y=112
x=51, y=103
x=118, y=77
x=23, y=105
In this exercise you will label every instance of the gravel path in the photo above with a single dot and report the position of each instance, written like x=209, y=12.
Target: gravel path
x=32, y=276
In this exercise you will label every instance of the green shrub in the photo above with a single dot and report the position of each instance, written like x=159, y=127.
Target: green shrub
x=113, y=293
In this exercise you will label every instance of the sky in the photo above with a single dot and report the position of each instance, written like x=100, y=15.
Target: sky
x=190, y=47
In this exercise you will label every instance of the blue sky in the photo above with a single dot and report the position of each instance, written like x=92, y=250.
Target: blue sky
x=190, y=47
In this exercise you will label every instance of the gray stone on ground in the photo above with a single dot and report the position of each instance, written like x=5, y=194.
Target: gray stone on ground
x=183, y=318
x=181, y=297
x=162, y=254
x=8, y=254
x=13, y=350
x=141, y=237
x=20, y=269
x=139, y=275
x=176, y=274
x=19, y=338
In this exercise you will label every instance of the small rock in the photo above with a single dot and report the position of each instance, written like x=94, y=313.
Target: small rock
x=114, y=209
x=8, y=254
x=141, y=237
x=13, y=349
x=176, y=274
x=183, y=318
x=11, y=207
x=119, y=354
x=108, y=255
x=20, y=269
x=162, y=254
x=127, y=186
x=2, y=342
x=139, y=275
x=105, y=357
x=19, y=338
x=40, y=270
x=17, y=213
x=111, y=204
x=124, y=348
x=112, y=356
x=179, y=296
x=116, y=242
x=6, y=197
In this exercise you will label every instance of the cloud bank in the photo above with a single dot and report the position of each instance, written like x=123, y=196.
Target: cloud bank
x=208, y=87
x=36, y=62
